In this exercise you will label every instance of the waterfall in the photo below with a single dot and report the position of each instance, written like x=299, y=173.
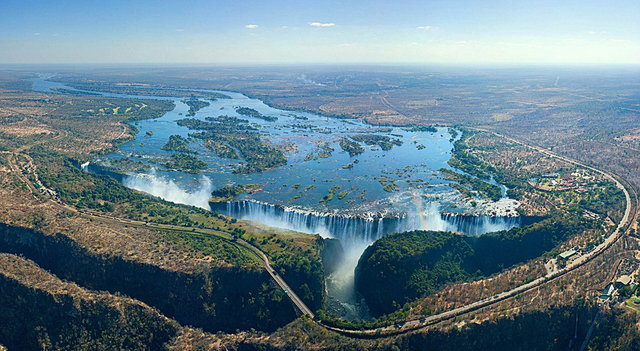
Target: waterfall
x=168, y=190
x=351, y=229
x=357, y=233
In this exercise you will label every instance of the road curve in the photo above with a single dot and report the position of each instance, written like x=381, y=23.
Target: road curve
x=410, y=325
x=278, y=279
x=403, y=327
x=226, y=236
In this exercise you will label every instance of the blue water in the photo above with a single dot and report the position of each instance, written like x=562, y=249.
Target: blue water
x=366, y=195
x=365, y=214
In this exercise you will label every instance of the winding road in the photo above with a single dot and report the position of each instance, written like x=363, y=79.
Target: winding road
x=223, y=235
x=409, y=325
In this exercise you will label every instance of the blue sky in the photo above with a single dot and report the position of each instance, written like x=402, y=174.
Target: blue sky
x=303, y=31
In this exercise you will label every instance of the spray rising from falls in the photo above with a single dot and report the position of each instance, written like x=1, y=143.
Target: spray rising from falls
x=356, y=234
x=168, y=190
x=355, y=229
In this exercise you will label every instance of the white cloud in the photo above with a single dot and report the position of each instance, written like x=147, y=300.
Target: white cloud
x=318, y=24
x=592, y=32
x=426, y=27
x=251, y=26
x=36, y=34
x=180, y=30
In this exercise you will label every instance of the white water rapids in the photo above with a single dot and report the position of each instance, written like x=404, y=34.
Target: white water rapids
x=356, y=234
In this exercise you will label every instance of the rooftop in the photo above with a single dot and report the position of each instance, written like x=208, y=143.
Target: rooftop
x=624, y=279
x=568, y=254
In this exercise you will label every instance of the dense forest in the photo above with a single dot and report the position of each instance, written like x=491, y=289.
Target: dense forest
x=384, y=142
x=233, y=138
x=177, y=143
x=195, y=105
x=402, y=267
x=185, y=162
x=249, y=112
x=217, y=298
x=71, y=318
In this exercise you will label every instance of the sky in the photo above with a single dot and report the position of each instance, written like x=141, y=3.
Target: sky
x=301, y=31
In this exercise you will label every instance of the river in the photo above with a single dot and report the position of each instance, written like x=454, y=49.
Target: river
x=362, y=209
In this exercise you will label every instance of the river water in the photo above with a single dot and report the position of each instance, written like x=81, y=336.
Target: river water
x=291, y=195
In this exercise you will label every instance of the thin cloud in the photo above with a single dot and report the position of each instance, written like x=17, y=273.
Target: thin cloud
x=180, y=30
x=251, y=26
x=426, y=27
x=318, y=24
x=36, y=34
x=592, y=32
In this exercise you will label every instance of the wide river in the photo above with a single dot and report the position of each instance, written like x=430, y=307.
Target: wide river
x=291, y=195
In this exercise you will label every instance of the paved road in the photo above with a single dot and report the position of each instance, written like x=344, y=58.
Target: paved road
x=259, y=253
x=410, y=325
x=292, y=295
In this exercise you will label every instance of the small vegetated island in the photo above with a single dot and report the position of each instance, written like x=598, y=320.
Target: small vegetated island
x=177, y=143
x=228, y=193
x=195, y=105
x=249, y=112
x=185, y=163
x=351, y=147
x=384, y=142
x=569, y=208
x=184, y=158
x=234, y=138
x=430, y=129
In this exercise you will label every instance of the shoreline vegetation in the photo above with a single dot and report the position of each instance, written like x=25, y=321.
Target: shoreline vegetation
x=184, y=162
x=398, y=270
x=466, y=185
x=195, y=105
x=142, y=89
x=229, y=193
x=249, y=112
x=179, y=144
x=234, y=138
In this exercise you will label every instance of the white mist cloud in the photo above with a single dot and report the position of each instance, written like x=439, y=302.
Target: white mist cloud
x=168, y=190
x=252, y=26
x=318, y=24
x=426, y=27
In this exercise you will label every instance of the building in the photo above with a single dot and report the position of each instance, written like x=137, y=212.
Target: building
x=624, y=280
x=567, y=254
x=607, y=292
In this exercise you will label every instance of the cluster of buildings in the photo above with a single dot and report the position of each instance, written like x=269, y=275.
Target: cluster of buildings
x=610, y=289
x=554, y=182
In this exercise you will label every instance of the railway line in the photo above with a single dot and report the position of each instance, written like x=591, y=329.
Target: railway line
x=408, y=325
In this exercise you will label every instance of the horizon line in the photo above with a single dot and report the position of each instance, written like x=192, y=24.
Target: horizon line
x=335, y=63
